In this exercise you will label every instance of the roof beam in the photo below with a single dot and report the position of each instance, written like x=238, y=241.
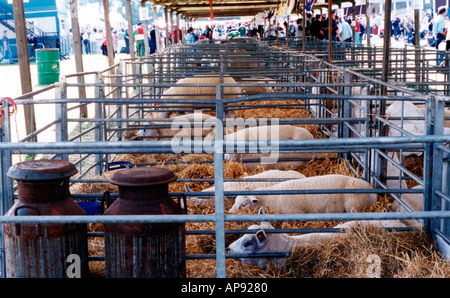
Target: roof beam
x=221, y=8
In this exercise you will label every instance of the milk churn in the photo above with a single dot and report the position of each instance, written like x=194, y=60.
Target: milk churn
x=45, y=250
x=145, y=250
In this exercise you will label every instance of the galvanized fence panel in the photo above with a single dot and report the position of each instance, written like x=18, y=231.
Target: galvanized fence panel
x=345, y=104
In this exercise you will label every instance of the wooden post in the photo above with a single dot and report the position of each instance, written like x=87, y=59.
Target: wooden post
x=78, y=54
x=330, y=34
x=304, y=28
x=24, y=63
x=354, y=21
x=287, y=33
x=417, y=46
x=108, y=33
x=130, y=28
x=368, y=23
x=387, y=40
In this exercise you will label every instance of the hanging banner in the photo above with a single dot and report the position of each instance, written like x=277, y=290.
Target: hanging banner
x=260, y=18
x=310, y=5
x=211, y=15
x=290, y=6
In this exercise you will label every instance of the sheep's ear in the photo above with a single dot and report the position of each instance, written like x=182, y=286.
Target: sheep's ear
x=187, y=188
x=261, y=212
x=261, y=236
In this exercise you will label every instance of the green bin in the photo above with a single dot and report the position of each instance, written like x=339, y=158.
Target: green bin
x=47, y=66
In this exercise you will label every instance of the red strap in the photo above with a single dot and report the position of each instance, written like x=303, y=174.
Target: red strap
x=211, y=14
x=2, y=112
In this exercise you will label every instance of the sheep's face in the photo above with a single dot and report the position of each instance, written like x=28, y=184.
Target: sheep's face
x=244, y=202
x=146, y=132
x=250, y=244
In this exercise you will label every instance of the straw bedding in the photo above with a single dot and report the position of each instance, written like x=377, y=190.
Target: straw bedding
x=403, y=254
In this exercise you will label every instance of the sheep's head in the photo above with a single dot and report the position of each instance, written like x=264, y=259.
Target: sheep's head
x=148, y=132
x=249, y=244
x=259, y=242
x=245, y=202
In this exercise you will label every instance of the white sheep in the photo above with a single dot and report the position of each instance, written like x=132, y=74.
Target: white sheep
x=261, y=81
x=406, y=109
x=262, y=242
x=423, y=110
x=270, y=156
x=188, y=124
x=312, y=203
x=413, y=200
x=197, y=92
x=249, y=183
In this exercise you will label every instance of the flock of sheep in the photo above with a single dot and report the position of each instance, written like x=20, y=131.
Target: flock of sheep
x=286, y=179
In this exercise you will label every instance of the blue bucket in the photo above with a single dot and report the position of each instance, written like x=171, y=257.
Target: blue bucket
x=91, y=208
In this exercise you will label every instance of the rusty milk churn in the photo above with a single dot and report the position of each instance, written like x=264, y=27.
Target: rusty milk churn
x=45, y=250
x=145, y=250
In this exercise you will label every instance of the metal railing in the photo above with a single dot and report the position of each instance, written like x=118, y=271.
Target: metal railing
x=346, y=105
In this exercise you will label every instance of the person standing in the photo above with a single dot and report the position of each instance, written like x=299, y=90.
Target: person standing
x=409, y=29
x=395, y=27
x=139, y=40
x=316, y=27
x=190, y=38
x=32, y=41
x=334, y=28
x=208, y=32
x=6, y=48
x=242, y=30
x=126, y=37
x=440, y=32
x=357, y=31
x=86, y=41
x=347, y=32
x=152, y=41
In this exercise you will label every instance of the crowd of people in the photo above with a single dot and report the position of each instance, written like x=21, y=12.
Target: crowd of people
x=432, y=29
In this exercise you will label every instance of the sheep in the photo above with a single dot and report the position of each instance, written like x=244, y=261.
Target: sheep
x=270, y=155
x=413, y=200
x=248, y=183
x=423, y=110
x=406, y=109
x=312, y=203
x=415, y=127
x=197, y=92
x=261, y=81
x=178, y=126
x=262, y=242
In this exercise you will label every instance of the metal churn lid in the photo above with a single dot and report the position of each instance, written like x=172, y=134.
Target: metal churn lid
x=142, y=177
x=42, y=170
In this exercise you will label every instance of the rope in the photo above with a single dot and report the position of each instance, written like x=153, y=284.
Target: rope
x=2, y=116
x=2, y=112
